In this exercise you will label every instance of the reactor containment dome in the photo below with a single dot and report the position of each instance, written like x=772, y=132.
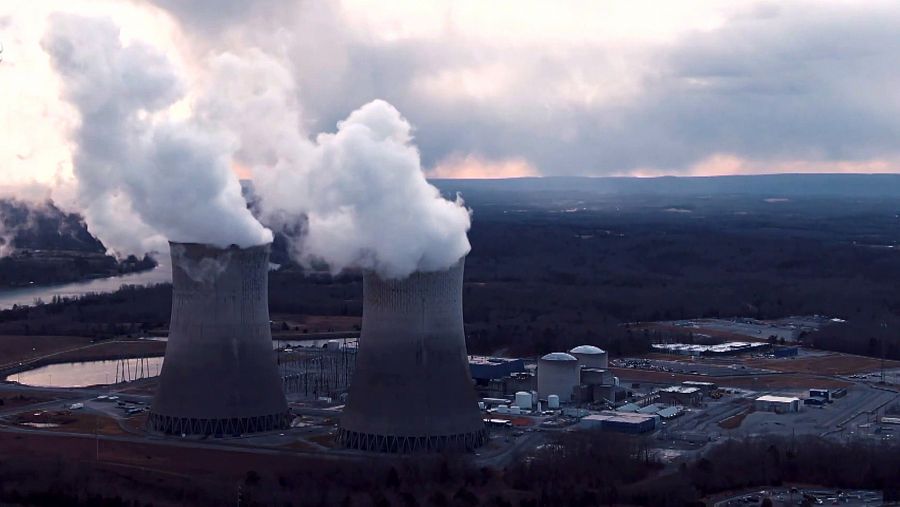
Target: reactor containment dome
x=411, y=390
x=590, y=356
x=219, y=376
x=557, y=373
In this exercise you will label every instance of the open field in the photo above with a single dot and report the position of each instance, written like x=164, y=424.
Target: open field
x=114, y=350
x=756, y=382
x=318, y=323
x=831, y=364
x=15, y=349
x=70, y=422
x=669, y=330
x=10, y=400
x=733, y=422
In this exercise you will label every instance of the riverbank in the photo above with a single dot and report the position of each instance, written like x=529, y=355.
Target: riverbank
x=45, y=268
x=27, y=296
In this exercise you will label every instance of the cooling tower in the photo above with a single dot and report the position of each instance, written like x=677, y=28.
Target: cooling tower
x=591, y=356
x=411, y=391
x=219, y=376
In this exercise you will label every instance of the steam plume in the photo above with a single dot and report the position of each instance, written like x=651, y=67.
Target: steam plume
x=142, y=176
x=360, y=193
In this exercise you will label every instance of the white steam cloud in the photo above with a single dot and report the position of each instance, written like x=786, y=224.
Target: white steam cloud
x=155, y=151
x=143, y=177
x=360, y=193
x=367, y=202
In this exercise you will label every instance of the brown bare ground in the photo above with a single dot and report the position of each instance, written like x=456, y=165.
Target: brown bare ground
x=114, y=350
x=320, y=323
x=177, y=460
x=771, y=381
x=138, y=422
x=831, y=364
x=735, y=421
x=15, y=349
x=72, y=422
x=16, y=399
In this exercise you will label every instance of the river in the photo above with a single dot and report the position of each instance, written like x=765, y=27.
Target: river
x=28, y=295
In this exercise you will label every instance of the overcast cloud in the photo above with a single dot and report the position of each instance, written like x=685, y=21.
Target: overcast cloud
x=534, y=87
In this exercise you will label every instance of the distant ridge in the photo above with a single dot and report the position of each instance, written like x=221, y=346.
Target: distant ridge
x=785, y=185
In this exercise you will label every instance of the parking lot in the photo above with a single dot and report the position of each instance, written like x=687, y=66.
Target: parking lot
x=798, y=496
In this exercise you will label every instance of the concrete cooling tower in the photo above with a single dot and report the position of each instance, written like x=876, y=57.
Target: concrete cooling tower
x=411, y=391
x=219, y=376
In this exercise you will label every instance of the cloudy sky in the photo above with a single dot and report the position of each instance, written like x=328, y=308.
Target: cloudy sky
x=503, y=88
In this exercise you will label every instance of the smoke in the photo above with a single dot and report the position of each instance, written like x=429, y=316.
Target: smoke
x=143, y=176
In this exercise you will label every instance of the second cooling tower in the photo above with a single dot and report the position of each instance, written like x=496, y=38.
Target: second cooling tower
x=219, y=376
x=411, y=390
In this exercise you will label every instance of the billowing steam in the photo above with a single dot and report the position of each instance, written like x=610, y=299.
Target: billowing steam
x=142, y=176
x=151, y=166
x=359, y=194
x=368, y=203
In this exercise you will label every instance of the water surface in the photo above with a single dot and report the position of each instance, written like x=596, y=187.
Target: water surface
x=89, y=373
x=28, y=295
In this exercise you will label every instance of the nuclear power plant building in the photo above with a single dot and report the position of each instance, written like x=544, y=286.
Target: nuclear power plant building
x=219, y=376
x=412, y=390
x=590, y=356
x=558, y=374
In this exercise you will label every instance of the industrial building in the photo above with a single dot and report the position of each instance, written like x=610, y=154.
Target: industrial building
x=786, y=352
x=680, y=395
x=705, y=387
x=590, y=356
x=622, y=422
x=484, y=368
x=777, y=404
x=598, y=385
x=558, y=373
x=219, y=376
x=412, y=390
x=722, y=349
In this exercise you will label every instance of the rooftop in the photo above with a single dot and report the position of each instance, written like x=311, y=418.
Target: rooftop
x=490, y=360
x=777, y=399
x=721, y=348
x=680, y=389
x=587, y=349
x=559, y=356
x=622, y=417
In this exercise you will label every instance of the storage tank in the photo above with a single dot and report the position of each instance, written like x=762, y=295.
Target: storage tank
x=411, y=349
x=219, y=376
x=553, y=402
x=590, y=356
x=558, y=374
x=523, y=400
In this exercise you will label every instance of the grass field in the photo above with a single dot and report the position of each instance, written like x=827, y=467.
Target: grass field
x=15, y=349
x=831, y=364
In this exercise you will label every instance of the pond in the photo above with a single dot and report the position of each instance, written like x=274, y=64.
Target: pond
x=89, y=373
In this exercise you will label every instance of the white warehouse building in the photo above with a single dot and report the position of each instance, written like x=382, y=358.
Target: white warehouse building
x=777, y=404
